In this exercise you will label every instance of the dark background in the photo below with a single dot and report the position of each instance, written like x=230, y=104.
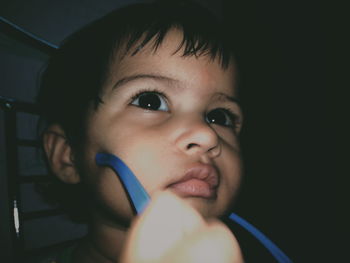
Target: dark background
x=288, y=144
x=289, y=134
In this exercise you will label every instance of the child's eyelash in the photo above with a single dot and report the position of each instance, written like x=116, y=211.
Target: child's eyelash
x=234, y=116
x=150, y=90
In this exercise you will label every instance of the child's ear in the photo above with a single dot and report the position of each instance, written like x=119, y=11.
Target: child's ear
x=60, y=155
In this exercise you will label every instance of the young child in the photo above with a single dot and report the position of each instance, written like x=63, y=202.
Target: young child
x=156, y=85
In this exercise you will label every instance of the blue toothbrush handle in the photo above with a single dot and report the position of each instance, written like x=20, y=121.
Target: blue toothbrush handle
x=267, y=243
x=135, y=190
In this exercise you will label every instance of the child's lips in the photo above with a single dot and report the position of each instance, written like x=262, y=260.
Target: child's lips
x=199, y=181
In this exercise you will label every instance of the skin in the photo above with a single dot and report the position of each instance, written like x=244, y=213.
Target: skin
x=171, y=231
x=159, y=146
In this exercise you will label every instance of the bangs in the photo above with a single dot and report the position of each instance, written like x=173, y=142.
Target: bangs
x=203, y=35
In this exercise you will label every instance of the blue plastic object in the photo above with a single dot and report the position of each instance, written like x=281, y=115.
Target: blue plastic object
x=268, y=244
x=140, y=199
x=135, y=190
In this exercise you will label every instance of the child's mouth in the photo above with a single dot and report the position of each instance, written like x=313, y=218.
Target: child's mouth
x=199, y=181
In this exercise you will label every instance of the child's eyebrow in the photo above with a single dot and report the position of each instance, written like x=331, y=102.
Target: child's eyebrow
x=127, y=79
x=224, y=97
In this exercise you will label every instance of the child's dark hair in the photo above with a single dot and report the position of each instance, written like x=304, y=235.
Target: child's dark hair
x=76, y=73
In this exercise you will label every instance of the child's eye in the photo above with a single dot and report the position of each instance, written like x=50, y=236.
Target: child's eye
x=150, y=101
x=223, y=117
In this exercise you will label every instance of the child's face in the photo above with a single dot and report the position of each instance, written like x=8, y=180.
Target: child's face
x=162, y=145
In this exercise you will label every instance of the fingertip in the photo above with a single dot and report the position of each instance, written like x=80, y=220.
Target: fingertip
x=168, y=206
x=163, y=224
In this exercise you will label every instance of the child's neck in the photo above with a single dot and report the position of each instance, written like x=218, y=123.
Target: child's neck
x=103, y=244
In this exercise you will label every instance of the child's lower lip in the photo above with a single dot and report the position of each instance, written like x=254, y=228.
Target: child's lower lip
x=193, y=188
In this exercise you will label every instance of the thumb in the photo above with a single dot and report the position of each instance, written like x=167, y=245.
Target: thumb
x=165, y=222
x=213, y=242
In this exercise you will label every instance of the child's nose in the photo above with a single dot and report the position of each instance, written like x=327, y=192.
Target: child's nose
x=198, y=138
